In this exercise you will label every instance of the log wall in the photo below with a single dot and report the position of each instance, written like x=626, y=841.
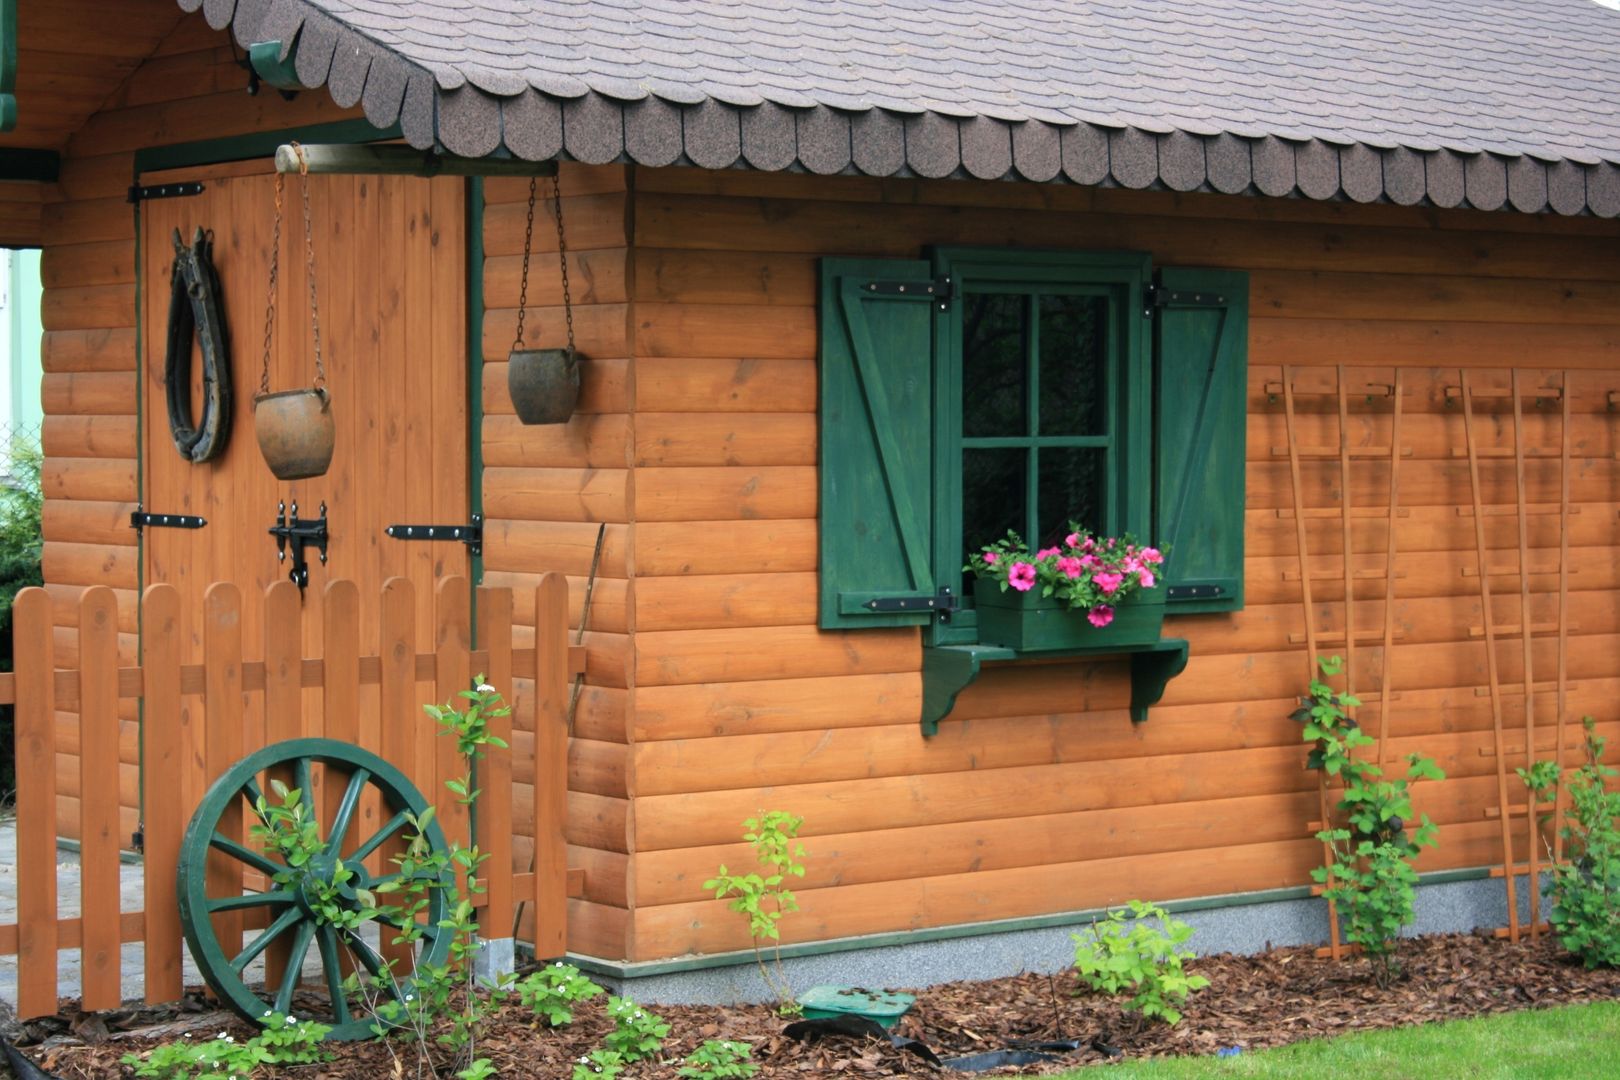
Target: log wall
x=1038, y=795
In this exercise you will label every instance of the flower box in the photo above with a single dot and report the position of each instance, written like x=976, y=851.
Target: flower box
x=1027, y=622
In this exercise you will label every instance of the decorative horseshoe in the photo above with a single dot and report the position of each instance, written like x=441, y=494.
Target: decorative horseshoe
x=195, y=311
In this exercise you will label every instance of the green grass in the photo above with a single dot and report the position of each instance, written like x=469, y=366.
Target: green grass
x=1577, y=1041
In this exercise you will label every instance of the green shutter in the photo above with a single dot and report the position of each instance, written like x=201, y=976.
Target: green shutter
x=8, y=64
x=1200, y=413
x=877, y=362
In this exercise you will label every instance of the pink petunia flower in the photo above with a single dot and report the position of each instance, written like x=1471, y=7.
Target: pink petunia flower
x=1089, y=544
x=1108, y=581
x=990, y=558
x=1145, y=576
x=1090, y=560
x=1046, y=553
x=1100, y=616
x=1070, y=567
x=1022, y=576
x=1072, y=540
x=1152, y=555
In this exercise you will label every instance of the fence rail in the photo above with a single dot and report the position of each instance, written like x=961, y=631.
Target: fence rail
x=196, y=723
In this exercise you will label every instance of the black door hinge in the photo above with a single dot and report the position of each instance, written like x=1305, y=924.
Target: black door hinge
x=471, y=534
x=140, y=193
x=140, y=519
x=940, y=289
x=944, y=602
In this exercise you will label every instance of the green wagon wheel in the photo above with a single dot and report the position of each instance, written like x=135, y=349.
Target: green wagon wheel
x=289, y=906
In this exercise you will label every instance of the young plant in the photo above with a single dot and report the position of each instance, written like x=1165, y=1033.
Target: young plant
x=1125, y=953
x=284, y=1041
x=599, y=1065
x=636, y=1033
x=763, y=898
x=287, y=827
x=1585, y=888
x=550, y=992
x=1371, y=878
x=719, y=1059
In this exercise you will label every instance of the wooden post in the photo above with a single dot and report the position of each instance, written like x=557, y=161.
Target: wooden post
x=34, y=659
x=453, y=642
x=283, y=717
x=495, y=829
x=165, y=810
x=98, y=799
x=551, y=766
x=340, y=710
x=397, y=713
x=222, y=661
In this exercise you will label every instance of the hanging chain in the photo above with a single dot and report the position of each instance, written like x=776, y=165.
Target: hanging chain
x=270, y=301
x=562, y=257
x=309, y=249
x=528, y=243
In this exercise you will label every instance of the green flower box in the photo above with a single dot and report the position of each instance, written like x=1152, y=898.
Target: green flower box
x=1027, y=622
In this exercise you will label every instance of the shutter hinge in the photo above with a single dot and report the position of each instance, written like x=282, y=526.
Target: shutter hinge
x=944, y=602
x=1157, y=296
x=140, y=519
x=1195, y=592
x=139, y=193
x=471, y=534
x=940, y=289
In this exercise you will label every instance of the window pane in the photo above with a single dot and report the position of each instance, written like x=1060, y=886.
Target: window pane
x=993, y=487
x=1071, y=488
x=1074, y=372
x=994, y=351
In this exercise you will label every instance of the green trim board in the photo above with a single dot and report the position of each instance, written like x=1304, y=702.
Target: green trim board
x=958, y=931
x=8, y=64
x=265, y=56
x=474, y=271
x=24, y=163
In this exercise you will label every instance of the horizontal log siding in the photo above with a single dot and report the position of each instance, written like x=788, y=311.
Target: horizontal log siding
x=548, y=489
x=1039, y=795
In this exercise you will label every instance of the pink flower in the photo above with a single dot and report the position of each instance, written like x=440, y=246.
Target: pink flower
x=1100, y=616
x=1072, y=540
x=990, y=558
x=1070, y=567
x=1090, y=560
x=1145, y=576
x=1152, y=555
x=1132, y=564
x=1022, y=576
x=1089, y=544
x=1108, y=581
x=1045, y=553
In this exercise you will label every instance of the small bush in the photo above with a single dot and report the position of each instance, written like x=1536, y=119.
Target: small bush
x=719, y=1059
x=1585, y=889
x=1126, y=953
x=636, y=1032
x=550, y=992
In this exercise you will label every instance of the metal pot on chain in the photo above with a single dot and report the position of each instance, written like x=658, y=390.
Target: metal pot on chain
x=544, y=383
x=295, y=428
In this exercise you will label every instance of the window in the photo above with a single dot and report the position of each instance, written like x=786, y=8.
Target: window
x=992, y=390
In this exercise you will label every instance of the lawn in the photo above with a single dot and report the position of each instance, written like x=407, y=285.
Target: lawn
x=1548, y=1044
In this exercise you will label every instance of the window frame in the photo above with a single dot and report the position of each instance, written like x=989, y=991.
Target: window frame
x=1125, y=278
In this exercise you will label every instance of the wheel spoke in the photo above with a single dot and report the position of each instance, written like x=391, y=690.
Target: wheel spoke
x=334, y=975
x=345, y=810
x=295, y=966
x=374, y=964
x=236, y=851
x=403, y=879
x=304, y=782
x=255, y=795
x=250, y=900
x=260, y=943
x=393, y=826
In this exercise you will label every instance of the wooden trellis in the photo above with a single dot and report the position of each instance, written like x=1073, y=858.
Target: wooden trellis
x=1312, y=637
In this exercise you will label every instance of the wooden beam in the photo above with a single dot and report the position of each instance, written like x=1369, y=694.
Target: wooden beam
x=395, y=160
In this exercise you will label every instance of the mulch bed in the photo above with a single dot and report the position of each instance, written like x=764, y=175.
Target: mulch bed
x=1252, y=1002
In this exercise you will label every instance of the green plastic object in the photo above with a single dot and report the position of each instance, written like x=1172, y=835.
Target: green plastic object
x=882, y=1006
x=289, y=915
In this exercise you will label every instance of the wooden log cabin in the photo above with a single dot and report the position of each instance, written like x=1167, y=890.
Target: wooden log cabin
x=1306, y=295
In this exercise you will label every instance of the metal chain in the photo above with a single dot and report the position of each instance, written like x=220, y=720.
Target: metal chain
x=270, y=301
x=309, y=248
x=562, y=256
x=528, y=243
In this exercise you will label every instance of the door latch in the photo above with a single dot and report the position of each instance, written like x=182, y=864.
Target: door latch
x=296, y=533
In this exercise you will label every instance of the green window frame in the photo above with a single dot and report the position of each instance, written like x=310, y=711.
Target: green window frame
x=892, y=435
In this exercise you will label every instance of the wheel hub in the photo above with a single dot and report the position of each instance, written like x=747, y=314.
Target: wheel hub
x=313, y=881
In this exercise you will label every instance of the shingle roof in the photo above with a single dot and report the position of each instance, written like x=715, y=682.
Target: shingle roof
x=1484, y=103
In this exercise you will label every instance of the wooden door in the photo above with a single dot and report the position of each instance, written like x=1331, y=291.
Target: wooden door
x=390, y=283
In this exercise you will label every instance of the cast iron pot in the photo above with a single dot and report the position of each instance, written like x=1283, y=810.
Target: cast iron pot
x=295, y=431
x=544, y=384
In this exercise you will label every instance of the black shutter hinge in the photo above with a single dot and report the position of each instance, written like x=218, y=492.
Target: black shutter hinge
x=471, y=534
x=944, y=602
x=1157, y=296
x=941, y=289
x=140, y=193
x=140, y=519
x=1195, y=592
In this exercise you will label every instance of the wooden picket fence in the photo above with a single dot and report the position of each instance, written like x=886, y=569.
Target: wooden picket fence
x=196, y=721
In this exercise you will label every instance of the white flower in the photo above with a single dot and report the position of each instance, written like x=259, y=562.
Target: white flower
x=485, y=688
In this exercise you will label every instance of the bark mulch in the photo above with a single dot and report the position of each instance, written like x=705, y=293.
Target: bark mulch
x=1252, y=1002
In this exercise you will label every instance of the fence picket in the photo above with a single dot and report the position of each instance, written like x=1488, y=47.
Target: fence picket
x=340, y=712
x=98, y=799
x=164, y=761
x=34, y=659
x=494, y=811
x=283, y=715
x=222, y=656
x=550, y=766
x=452, y=643
x=397, y=709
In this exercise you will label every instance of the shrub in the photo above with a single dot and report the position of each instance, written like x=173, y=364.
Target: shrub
x=1126, y=953
x=636, y=1032
x=1585, y=889
x=550, y=992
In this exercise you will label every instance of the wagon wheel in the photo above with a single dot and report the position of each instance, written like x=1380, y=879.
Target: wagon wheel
x=290, y=906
